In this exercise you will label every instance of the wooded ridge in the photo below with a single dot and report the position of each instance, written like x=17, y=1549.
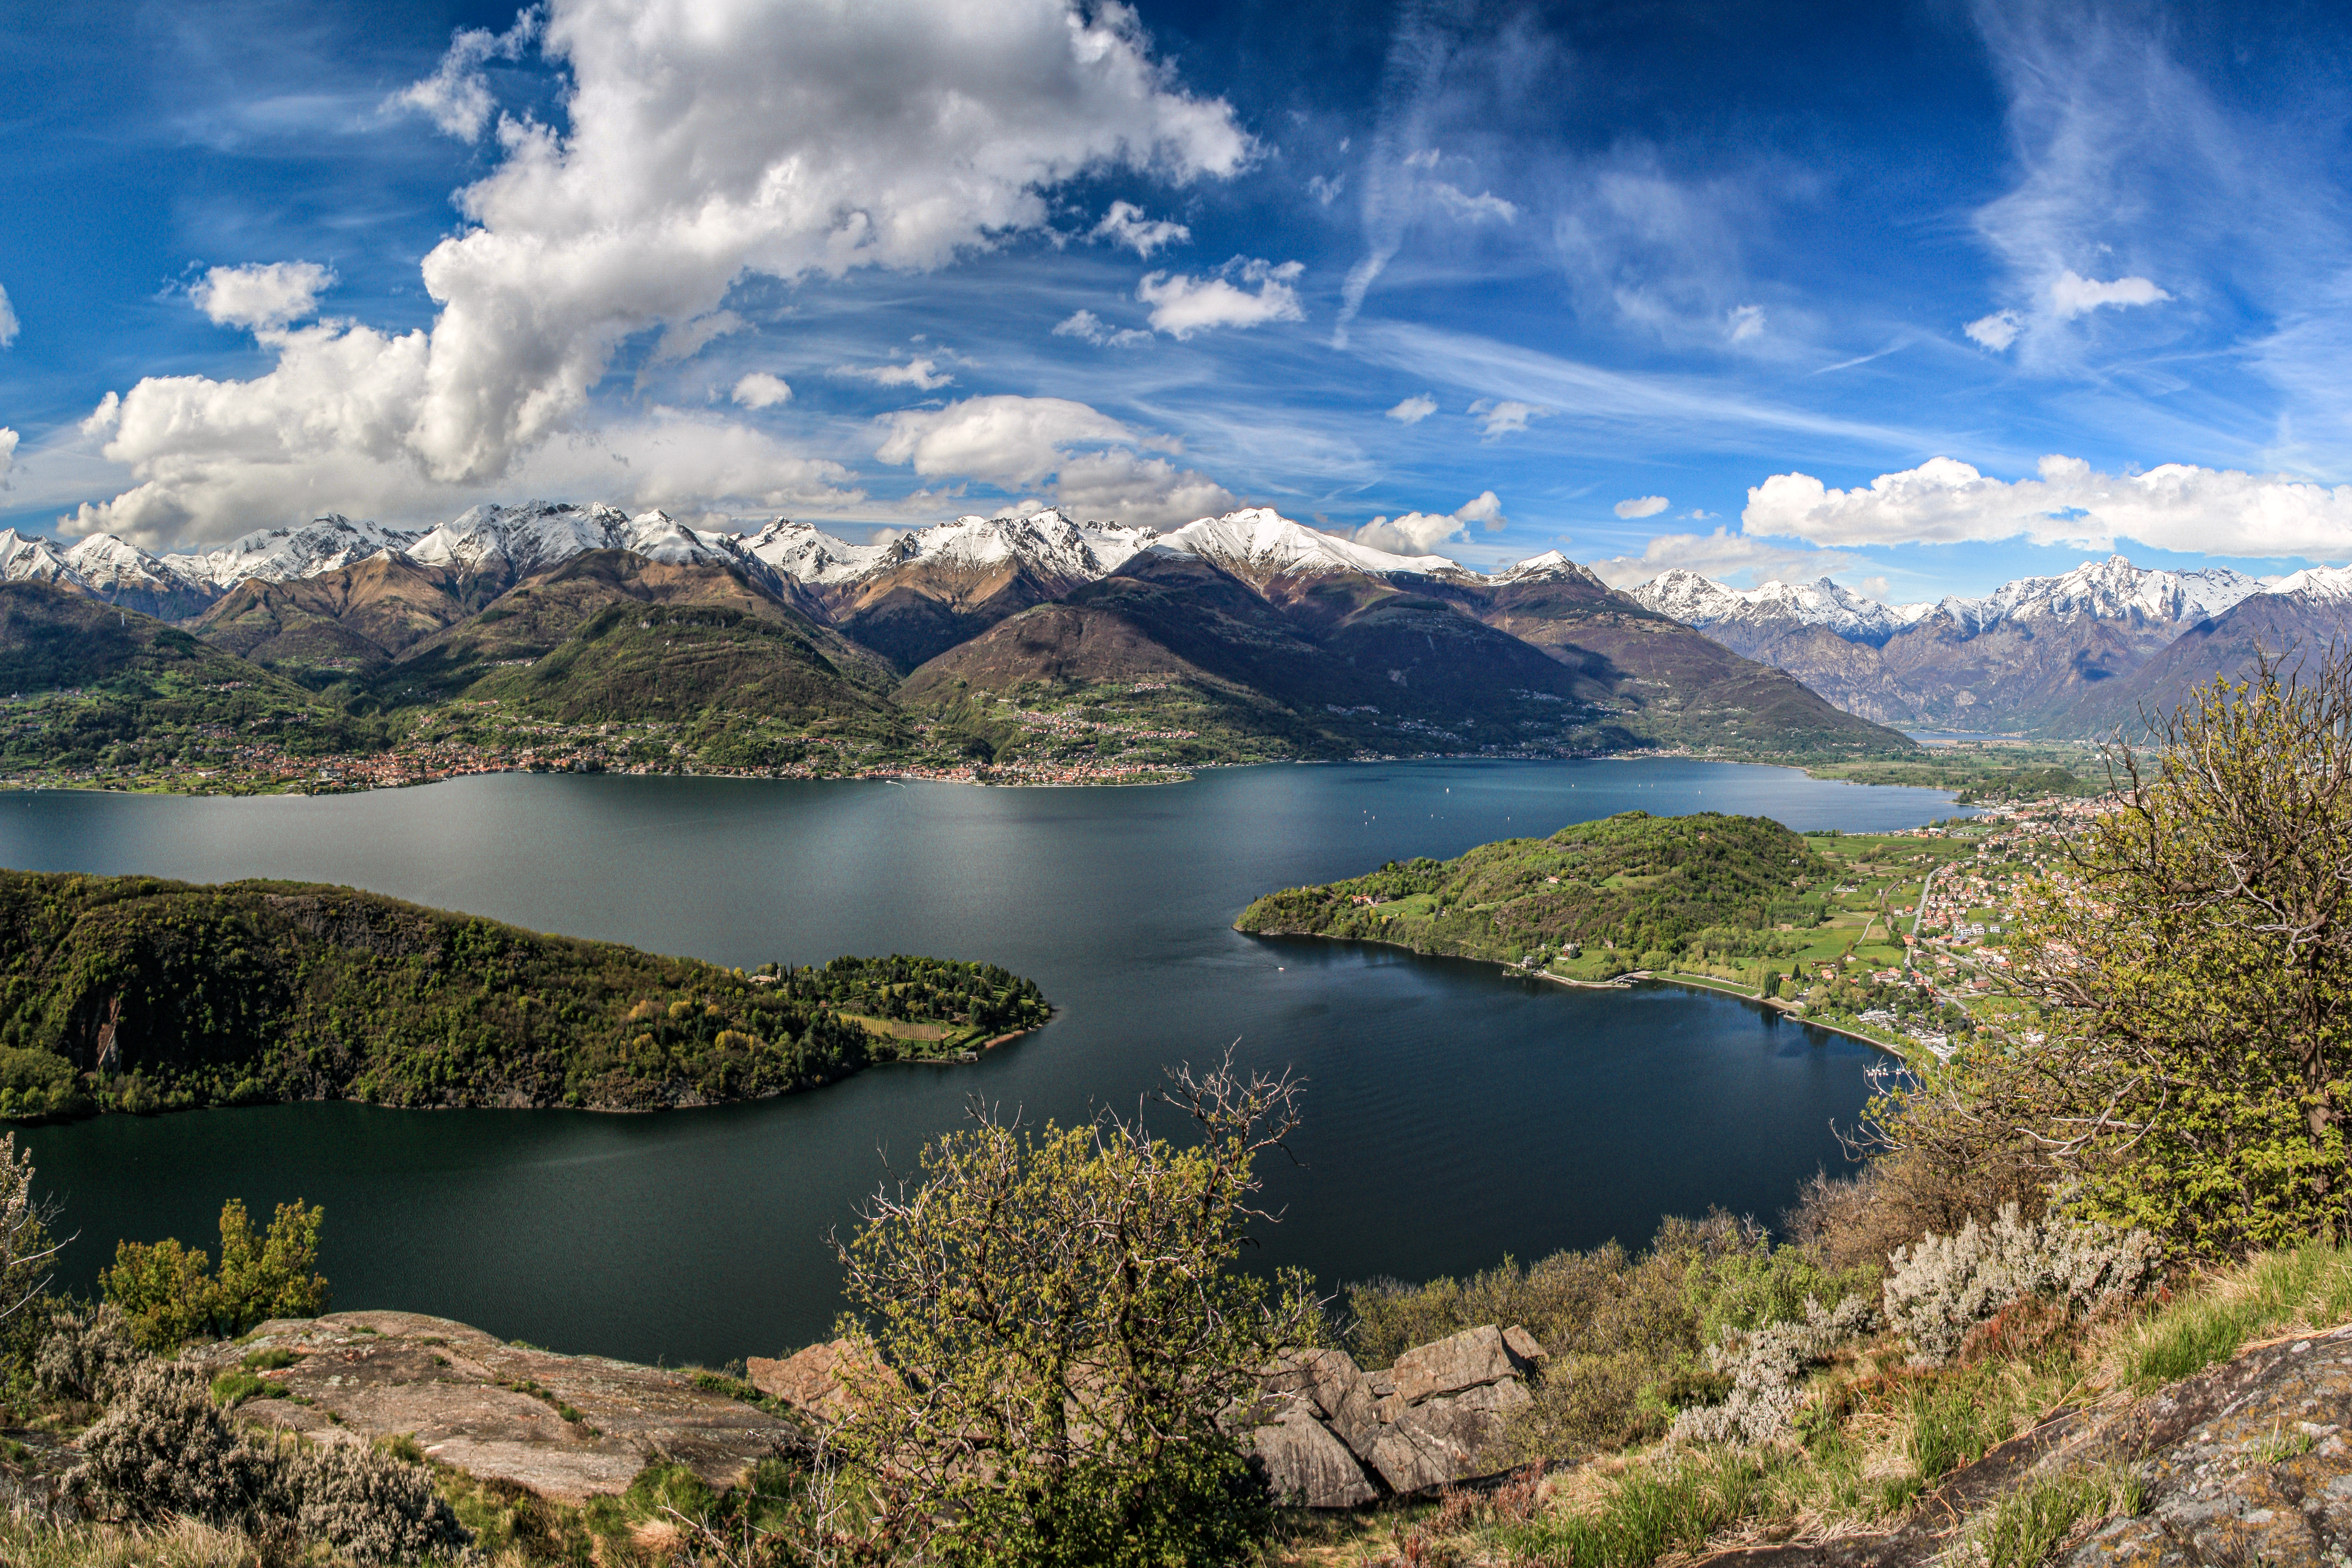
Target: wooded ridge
x=137, y=993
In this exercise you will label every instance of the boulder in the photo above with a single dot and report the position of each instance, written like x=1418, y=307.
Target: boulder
x=1424, y=1422
x=1308, y=1467
x=1465, y=1360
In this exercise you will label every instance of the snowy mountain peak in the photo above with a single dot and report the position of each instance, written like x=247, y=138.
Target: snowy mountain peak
x=281, y=554
x=2109, y=590
x=2116, y=590
x=1699, y=602
x=1551, y=566
x=805, y=552
x=1258, y=542
x=29, y=558
x=1047, y=541
x=2319, y=583
x=520, y=540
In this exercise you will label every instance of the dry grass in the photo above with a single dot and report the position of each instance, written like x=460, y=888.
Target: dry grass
x=185, y=1544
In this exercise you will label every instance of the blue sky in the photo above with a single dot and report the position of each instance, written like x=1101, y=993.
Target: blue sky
x=1734, y=287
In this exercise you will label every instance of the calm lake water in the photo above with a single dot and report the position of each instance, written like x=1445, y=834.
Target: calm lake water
x=1455, y=1115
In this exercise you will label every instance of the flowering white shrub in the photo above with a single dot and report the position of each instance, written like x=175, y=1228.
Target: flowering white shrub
x=1768, y=1367
x=165, y=1447
x=1941, y=1287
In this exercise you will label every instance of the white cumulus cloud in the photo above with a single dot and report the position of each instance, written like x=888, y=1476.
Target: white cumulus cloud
x=1182, y=305
x=1642, y=506
x=1124, y=223
x=2073, y=295
x=2176, y=506
x=1421, y=533
x=1415, y=409
x=1744, y=322
x=762, y=390
x=1504, y=418
x=1485, y=507
x=7, y=452
x=1998, y=331
x=264, y=299
x=700, y=144
x=9, y=325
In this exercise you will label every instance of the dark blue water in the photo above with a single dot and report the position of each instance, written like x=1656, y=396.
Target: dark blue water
x=1454, y=1114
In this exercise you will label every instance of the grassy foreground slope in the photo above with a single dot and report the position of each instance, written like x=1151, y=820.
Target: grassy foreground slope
x=135, y=994
x=1629, y=885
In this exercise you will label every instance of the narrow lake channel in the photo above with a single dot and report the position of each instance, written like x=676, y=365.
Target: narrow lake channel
x=1455, y=1115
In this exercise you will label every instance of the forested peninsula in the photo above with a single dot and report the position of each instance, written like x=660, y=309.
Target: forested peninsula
x=137, y=993
x=1599, y=899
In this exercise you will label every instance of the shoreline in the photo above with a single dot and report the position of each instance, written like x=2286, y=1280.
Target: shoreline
x=1170, y=773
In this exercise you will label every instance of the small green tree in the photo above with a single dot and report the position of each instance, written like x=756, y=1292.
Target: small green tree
x=1055, y=1325
x=171, y=1294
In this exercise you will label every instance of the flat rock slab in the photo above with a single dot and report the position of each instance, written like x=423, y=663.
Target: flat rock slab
x=472, y=1400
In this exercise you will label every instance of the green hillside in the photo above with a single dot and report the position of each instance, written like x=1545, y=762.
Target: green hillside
x=1628, y=887
x=86, y=686
x=135, y=994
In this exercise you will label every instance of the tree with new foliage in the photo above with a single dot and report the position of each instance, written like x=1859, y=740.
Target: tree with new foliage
x=2193, y=964
x=1055, y=1323
x=172, y=1294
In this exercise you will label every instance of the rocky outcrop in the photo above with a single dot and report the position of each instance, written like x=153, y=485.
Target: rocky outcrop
x=814, y=1382
x=567, y=1427
x=1332, y=1436
x=2248, y=1463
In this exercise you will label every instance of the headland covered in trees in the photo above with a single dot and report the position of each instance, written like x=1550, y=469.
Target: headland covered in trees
x=1901, y=939
x=137, y=993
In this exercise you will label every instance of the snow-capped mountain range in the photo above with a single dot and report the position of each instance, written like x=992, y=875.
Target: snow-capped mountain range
x=512, y=542
x=2109, y=590
x=1698, y=602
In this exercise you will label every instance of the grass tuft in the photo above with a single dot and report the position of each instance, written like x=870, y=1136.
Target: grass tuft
x=2030, y=1526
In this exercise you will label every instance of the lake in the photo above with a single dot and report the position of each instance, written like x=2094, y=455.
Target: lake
x=1454, y=1114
